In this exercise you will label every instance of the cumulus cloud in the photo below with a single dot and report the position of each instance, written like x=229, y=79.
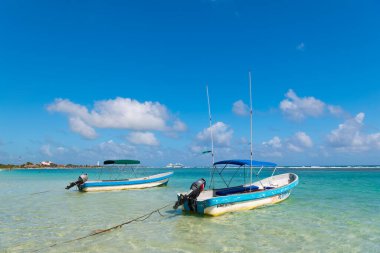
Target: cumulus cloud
x=272, y=148
x=301, y=47
x=45, y=149
x=299, y=142
x=303, y=139
x=79, y=126
x=121, y=113
x=179, y=126
x=145, y=138
x=52, y=150
x=239, y=108
x=335, y=110
x=296, y=143
x=298, y=108
x=115, y=150
x=348, y=137
x=294, y=148
x=275, y=142
x=222, y=134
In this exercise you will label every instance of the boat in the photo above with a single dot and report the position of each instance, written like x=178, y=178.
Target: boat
x=85, y=185
x=249, y=195
x=217, y=201
x=175, y=165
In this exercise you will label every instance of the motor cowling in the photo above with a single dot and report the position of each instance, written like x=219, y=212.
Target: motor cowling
x=81, y=180
x=195, y=189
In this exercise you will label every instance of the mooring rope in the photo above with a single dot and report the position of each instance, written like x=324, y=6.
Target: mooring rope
x=35, y=193
x=101, y=231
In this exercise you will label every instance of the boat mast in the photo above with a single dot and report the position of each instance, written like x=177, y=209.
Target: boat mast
x=212, y=138
x=250, y=112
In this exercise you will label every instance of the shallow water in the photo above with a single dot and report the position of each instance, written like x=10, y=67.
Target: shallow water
x=333, y=210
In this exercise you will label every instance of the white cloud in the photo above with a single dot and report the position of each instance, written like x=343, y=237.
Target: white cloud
x=301, y=47
x=335, y=110
x=299, y=108
x=348, y=137
x=294, y=148
x=296, y=143
x=61, y=150
x=52, y=150
x=239, y=108
x=299, y=142
x=145, y=138
x=303, y=139
x=222, y=134
x=179, y=126
x=45, y=150
x=77, y=125
x=114, y=150
x=275, y=142
x=121, y=113
x=272, y=148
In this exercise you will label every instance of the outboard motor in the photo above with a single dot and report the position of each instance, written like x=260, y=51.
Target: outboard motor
x=81, y=180
x=195, y=189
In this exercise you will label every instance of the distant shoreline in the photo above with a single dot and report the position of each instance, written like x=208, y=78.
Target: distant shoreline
x=340, y=167
x=16, y=167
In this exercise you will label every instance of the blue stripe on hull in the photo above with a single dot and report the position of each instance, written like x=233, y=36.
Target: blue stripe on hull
x=123, y=182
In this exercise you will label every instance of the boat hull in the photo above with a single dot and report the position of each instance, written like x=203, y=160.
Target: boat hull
x=245, y=205
x=217, y=205
x=126, y=184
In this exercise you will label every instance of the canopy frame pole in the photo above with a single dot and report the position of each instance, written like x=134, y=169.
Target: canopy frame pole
x=233, y=176
x=275, y=168
x=220, y=174
x=134, y=172
x=258, y=173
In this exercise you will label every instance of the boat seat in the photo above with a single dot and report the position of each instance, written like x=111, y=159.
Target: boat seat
x=236, y=189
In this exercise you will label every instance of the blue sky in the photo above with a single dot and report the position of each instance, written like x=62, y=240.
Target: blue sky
x=83, y=81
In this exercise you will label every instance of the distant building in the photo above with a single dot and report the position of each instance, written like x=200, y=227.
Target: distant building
x=175, y=165
x=46, y=163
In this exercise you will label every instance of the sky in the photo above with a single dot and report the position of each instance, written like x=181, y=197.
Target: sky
x=86, y=81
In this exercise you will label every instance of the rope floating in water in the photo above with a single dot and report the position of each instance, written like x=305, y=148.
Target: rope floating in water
x=39, y=192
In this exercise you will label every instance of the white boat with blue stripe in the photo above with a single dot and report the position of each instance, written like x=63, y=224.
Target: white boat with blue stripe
x=121, y=184
x=218, y=201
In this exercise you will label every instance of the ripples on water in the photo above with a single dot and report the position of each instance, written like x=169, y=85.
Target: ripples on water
x=335, y=210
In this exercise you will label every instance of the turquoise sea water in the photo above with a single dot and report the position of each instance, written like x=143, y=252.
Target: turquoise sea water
x=331, y=210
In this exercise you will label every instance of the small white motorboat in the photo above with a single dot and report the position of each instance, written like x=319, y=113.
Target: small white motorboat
x=121, y=184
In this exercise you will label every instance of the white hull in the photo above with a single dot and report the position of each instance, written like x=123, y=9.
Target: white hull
x=125, y=187
x=247, y=205
x=126, y=184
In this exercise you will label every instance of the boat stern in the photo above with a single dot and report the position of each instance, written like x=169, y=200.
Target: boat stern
x=189, y=201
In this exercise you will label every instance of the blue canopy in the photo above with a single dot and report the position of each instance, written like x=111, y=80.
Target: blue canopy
x=247, y=162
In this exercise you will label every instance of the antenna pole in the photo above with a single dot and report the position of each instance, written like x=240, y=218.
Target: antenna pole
x=210, y=121
x=250, y=112
x=212, y=141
